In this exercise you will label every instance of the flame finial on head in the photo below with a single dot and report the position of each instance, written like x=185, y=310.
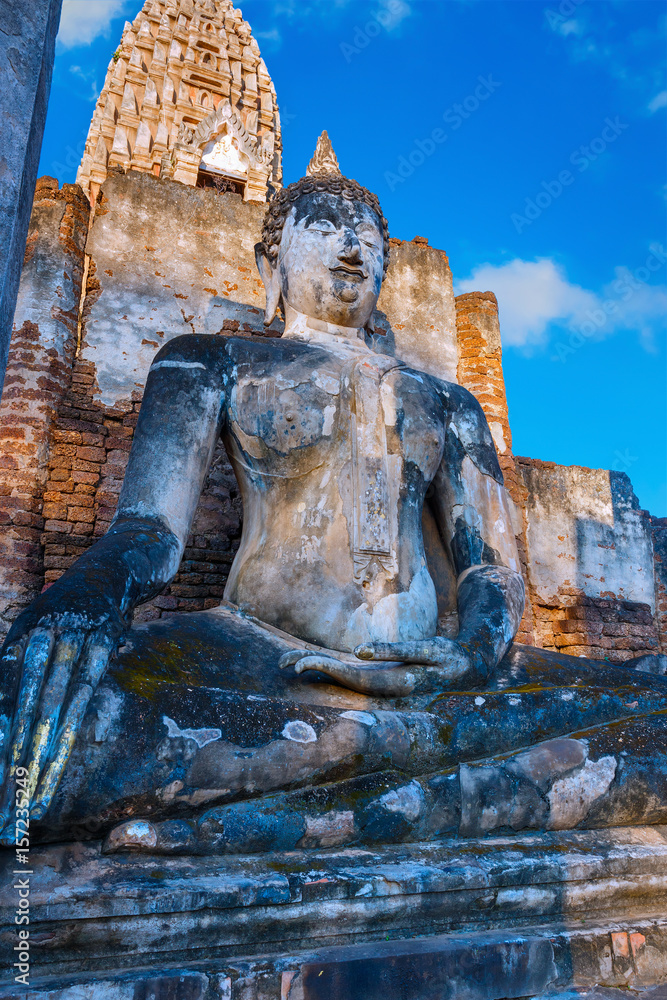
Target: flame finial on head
x=323, y=175
x=324, y=160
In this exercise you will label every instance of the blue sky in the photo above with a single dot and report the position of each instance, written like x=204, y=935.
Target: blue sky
x=526, y=139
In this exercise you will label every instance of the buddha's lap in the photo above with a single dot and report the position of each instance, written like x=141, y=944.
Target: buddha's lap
x=195, y=711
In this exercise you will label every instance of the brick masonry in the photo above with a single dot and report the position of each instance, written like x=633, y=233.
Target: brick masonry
x=480, y=370
x=569, y=619
x=38, y=373
x=594, y=574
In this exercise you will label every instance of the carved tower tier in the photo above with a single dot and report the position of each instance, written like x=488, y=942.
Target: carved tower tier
x=187, y=96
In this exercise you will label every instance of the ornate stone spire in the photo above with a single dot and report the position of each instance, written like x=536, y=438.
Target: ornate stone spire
x=324, y=160
x=186, y=75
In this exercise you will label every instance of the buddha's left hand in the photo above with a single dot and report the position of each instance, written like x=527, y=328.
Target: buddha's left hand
x=419, y=667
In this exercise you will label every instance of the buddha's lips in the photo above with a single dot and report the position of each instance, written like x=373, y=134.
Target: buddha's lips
x=350, y=273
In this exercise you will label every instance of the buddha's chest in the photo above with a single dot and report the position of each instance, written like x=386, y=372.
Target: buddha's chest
x=289, y=418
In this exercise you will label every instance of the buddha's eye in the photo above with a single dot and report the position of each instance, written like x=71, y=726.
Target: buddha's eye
x=322, y=226
x=368, y=237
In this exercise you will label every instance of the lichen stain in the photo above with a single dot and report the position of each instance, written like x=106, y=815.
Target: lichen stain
x=201, y=736
x=571, y=798
x=144, y=674
x=299, y=732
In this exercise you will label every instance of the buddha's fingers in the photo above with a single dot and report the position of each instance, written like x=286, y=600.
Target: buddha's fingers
x=290, y=658
x=11, y=662
x=392, y=682
x=35, y=663
x=65, y=657
x=171, y=836
x=91, y=670
x=429, y=652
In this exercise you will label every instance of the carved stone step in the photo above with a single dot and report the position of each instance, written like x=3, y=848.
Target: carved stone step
x=584, y=907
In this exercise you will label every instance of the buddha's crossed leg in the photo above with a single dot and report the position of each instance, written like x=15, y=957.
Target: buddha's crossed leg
x=195, y=719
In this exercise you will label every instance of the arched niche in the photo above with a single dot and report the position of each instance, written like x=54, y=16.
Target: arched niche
x=223, y=164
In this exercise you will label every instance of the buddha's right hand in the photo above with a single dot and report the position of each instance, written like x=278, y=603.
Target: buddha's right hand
x=53, y=659
x=408, y=668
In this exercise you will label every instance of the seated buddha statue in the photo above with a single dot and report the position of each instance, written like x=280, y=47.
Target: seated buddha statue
x=318, y=705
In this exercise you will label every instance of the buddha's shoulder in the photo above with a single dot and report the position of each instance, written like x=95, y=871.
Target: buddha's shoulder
x=458, y=402
x=468, y=428
x=225, y=352
x=458, y=399
x=253, y=347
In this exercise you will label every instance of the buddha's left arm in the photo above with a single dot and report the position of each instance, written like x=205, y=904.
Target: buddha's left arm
x=472, y=510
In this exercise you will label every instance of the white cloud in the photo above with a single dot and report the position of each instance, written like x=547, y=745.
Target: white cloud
x=597, y=35
x=659, y=101
x=642, y=307
x=571, y=27
x=88, y=77
x=83, y=21
x=531, y=295
x=270, y=36
x=535, y=298
x=392, y=12
x=269, y=41
x=389, y=14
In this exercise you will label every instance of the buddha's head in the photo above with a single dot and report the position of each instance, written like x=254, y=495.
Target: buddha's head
x=325, y=246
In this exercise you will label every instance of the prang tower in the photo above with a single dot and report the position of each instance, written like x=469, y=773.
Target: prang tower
x=187, y=96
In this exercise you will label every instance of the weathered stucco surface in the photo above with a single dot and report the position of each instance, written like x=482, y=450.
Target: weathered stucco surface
x=594, y=563
x=503, y=917
x=416, y=309
x=167, y=260
x=164, y=260
x=585, y=530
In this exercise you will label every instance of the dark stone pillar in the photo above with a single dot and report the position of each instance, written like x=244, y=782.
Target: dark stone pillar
x=28, y=31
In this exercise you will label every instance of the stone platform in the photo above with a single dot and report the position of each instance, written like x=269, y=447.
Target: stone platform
x=489, y=919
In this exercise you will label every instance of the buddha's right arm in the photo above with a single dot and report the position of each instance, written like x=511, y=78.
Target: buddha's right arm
x=58, y=649
x=178, y=427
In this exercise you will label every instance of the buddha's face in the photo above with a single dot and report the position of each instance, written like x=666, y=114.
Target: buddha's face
x=331, y=259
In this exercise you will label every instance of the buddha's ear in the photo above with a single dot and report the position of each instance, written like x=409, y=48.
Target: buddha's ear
x=269, y=273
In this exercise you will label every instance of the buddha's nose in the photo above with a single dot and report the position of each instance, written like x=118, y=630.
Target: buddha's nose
x=351, y=248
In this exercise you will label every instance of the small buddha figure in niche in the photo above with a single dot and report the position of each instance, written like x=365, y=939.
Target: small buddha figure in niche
x=317, y=705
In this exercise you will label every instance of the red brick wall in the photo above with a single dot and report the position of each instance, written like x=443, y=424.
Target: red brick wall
x=39, y=369
x=480, y=370
x=573, y=622
x=602, y=628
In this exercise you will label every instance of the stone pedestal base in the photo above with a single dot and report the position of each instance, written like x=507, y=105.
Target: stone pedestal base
x=458, y=920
